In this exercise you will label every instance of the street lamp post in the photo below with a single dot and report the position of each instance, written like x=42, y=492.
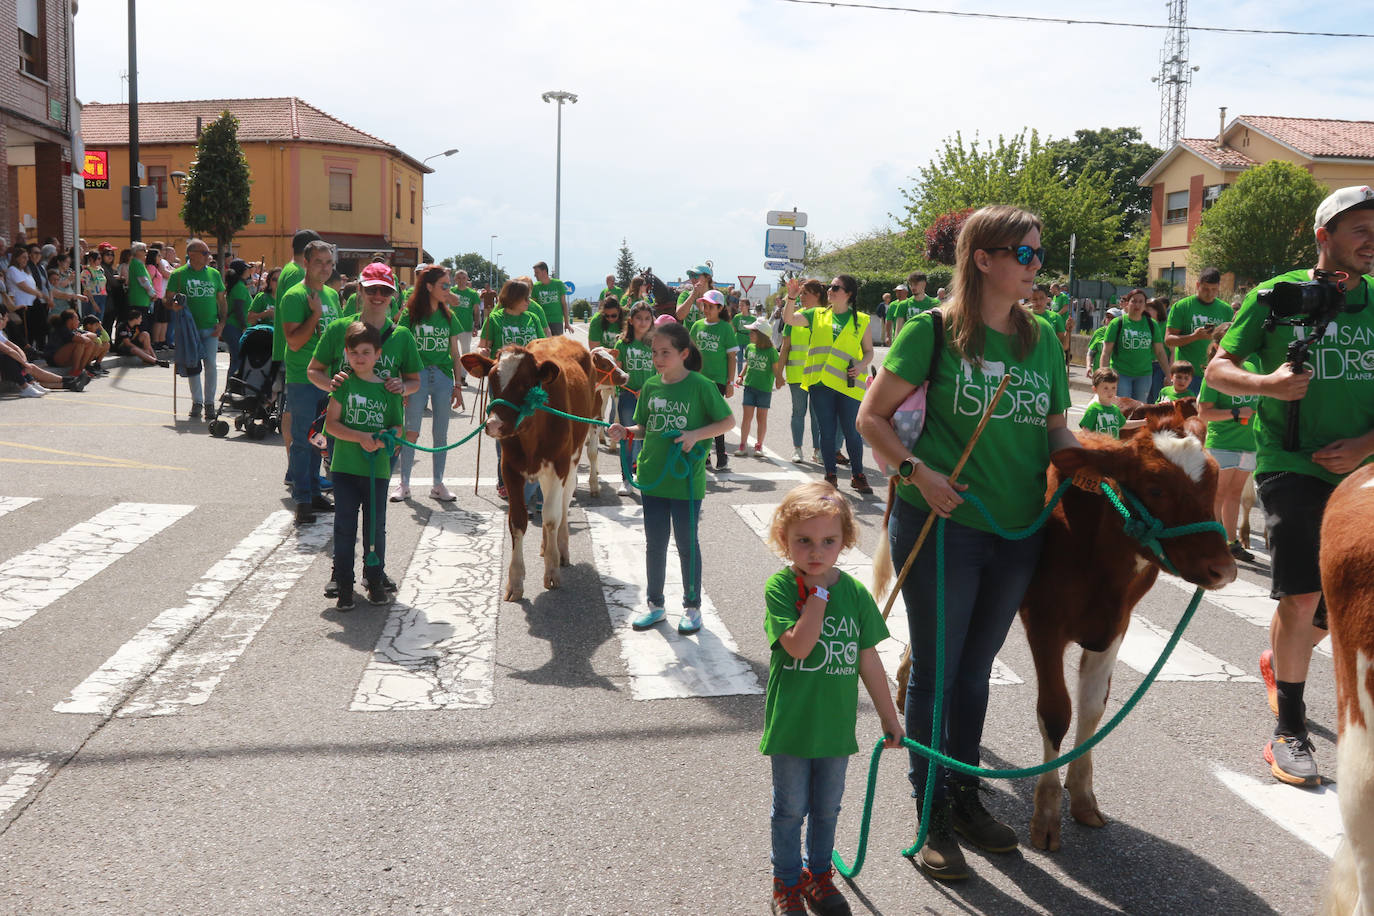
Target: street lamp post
x=447, y=152
x=559, y=96
x=491, y=263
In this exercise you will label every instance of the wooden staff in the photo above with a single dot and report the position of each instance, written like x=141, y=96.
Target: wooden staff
x=953, y=477
x=481, y=413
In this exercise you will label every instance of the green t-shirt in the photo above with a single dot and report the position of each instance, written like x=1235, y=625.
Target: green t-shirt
x=715, y=341
x=138, y=296
x=811, y=706
x=368, y=407
x=1102, y=418
x=239, y=302
x=916, y=306
x=466, y=309
x=758, y=367
x=1056, y=320
x=201, y=289
x=665, y=411
x=534, y=309
x=638, y=362
x=503, y=328
x=291, y=274
x=1186, y=316
x=1340, y=399
x=740, y=323
x=1007, y=469
x=399, y=357
x=1095, y=345
x=1167, y=393
x=294, y=307
x=432, y=337
x=1231, y=434
x=694, y=314
x=263, y=302
x=1061, y=302
x=612, y=291
x=1133, y=344
x=601, y=333
x=547, y=296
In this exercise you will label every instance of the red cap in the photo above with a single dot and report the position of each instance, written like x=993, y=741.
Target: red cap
x=377, y=275
x=105, y=246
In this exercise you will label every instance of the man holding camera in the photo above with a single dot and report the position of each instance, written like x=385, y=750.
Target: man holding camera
x=1334, y=436
x=1192, y=320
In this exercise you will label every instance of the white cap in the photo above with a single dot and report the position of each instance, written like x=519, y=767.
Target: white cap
x=761, y=325
x=713, y=295
x=1343, y=200
x=1115, y=312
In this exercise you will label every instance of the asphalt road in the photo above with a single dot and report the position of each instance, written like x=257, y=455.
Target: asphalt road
x=187, y=726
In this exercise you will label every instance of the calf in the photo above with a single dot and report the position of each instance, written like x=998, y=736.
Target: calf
x=1347, y=561
x=543, y=447
x=1090, y=576
x=607, y=376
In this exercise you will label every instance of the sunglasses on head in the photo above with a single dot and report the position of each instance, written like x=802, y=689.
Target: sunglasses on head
x=1023, y=253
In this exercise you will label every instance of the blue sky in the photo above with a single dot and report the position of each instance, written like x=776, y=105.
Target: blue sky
x=695, y=118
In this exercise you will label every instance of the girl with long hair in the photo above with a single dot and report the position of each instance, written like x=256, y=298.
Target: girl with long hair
x=635, y=357
x=264, y=304
x=1231, y=441
x=986, y=336
x=436, y=328
x=239, y=298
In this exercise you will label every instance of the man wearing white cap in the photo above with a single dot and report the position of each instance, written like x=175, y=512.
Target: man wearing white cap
x=1335, y=436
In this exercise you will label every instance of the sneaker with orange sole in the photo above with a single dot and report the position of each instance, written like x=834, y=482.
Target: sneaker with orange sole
x=1290, y=760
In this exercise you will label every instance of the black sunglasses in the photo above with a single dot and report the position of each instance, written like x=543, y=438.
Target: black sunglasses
x=837, y=286
x=1023, y=253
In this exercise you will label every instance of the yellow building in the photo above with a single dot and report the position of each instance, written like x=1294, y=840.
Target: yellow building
x=1187, y=179
x=309, y=170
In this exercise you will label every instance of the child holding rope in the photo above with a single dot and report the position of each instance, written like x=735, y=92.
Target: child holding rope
x=823, y=627
x=358, y=409
x=638, y=362
x=677, y=408
x=756, y=378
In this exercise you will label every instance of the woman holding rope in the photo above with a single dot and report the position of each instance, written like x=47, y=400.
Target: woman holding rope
x=985, y=335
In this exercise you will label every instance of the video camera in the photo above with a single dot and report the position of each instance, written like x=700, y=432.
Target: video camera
x=1310, y=304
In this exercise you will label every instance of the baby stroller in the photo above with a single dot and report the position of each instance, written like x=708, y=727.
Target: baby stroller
x=249, y=391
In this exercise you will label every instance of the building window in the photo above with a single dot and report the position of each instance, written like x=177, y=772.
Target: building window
x=32, y=56
x=398, y=198
x=1210, y=195
x=340, y=190
x=157, y=178
x=1177, y=276
x=1176, y=207
x=412, y=205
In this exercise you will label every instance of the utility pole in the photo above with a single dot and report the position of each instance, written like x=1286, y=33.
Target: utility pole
x=560, y=97
x=135, y=211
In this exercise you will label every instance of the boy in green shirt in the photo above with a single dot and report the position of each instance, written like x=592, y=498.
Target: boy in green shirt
x=359, y=409
x=551, y=296
x=1180, y=382
x=1102, y=414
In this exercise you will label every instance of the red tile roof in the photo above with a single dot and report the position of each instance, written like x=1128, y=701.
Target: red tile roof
x=1318, y=137
x=1223, y=156
x=260, y=120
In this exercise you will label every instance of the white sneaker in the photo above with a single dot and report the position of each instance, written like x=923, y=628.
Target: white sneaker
x=758, y=451
x=815, y=456
x=742, y=450
x=400, y=494
x=32, y=390
x=796, y=456
x=624, y=490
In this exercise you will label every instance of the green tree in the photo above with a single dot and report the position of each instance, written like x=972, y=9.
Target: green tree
x=218, y=198
x=479, y=269
x=625, y=266
x=877, y=251
x=1261, y=225
x=1121, y=155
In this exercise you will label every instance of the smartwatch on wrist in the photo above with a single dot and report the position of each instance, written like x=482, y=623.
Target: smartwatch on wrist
x=820, y=593
x=908, y=467
x=1235, y=413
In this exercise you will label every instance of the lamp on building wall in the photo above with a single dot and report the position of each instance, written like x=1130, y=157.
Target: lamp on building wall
x=178, y=180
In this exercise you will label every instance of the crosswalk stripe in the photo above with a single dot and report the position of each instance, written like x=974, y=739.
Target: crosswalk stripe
x=1311, y=815
x=1145, y=641
x=222, y=633
x=661, y=663
x=9, y=503
x=36, y=578
x=860, y=565
x=20, y=775
x=436, y=649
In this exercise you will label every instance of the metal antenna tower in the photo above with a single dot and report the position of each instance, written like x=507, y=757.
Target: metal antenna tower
x=1174, y=75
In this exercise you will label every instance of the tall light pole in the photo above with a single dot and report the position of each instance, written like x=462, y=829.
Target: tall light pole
x=491, y=263
x=559, y=96
x=447, y=152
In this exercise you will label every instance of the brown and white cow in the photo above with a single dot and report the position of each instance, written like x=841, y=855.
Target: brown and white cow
x=607, y=376
x=1090, y=576
x=1347, y=561
x=543, y=447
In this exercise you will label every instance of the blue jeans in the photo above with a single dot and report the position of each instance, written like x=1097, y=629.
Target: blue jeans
x=801, y=400
x=204, y=384
x=985, y=579
x=1156, y=384
x=625, y=412
x=350, y=495
x=682, y=515
x=436, y=388
x=303, y=403
x=96, y=306
x=231, y=336
x=838, y=414
x=807, y=788
x=1134, y=386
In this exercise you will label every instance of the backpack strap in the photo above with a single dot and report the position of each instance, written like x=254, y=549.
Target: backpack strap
x=939, y=323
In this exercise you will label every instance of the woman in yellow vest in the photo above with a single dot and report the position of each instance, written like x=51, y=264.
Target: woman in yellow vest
x=835, y=374
x=791, y=363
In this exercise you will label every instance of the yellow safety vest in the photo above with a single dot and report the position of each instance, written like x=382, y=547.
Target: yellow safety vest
x=798, y=342
x=828, y=359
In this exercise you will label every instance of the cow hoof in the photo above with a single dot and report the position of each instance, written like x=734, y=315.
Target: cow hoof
x=594, y=489
x=514, y=594
x=1087, y=814
x=564, y=560
x=551, y=581
x=1044, y=833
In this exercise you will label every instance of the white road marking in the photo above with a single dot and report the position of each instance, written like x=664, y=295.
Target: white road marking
x=1145, y=641
x=661, y=663
x=436, y=650
x=20, y=775
x=860, y=565
x=1247, y=600
x=740, y=471
x=1311, y=815
x=227, y=623
x=36, y=578
x=9, y=503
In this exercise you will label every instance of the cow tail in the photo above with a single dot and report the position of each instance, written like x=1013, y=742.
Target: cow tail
x=882, y=556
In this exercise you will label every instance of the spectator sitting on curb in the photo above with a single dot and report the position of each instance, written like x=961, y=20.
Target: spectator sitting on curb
x=131, y=340
x=68, y=347
x=33, y=382
x=90, y=324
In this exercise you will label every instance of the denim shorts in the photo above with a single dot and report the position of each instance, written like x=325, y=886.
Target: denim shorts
x=1229, y=459
x=753, y=397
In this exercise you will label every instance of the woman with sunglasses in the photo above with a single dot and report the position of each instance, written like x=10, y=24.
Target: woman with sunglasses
x=986, y=335
x=836, y=372
x=430, y=316
x=1133, y=343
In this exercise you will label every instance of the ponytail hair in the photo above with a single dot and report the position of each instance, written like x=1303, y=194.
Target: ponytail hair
x=677, y=336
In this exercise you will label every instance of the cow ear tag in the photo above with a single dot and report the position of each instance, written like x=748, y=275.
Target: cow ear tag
x=1088, y=479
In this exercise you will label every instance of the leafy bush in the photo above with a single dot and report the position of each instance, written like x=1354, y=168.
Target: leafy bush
x=581, y=309
x=943, y=235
